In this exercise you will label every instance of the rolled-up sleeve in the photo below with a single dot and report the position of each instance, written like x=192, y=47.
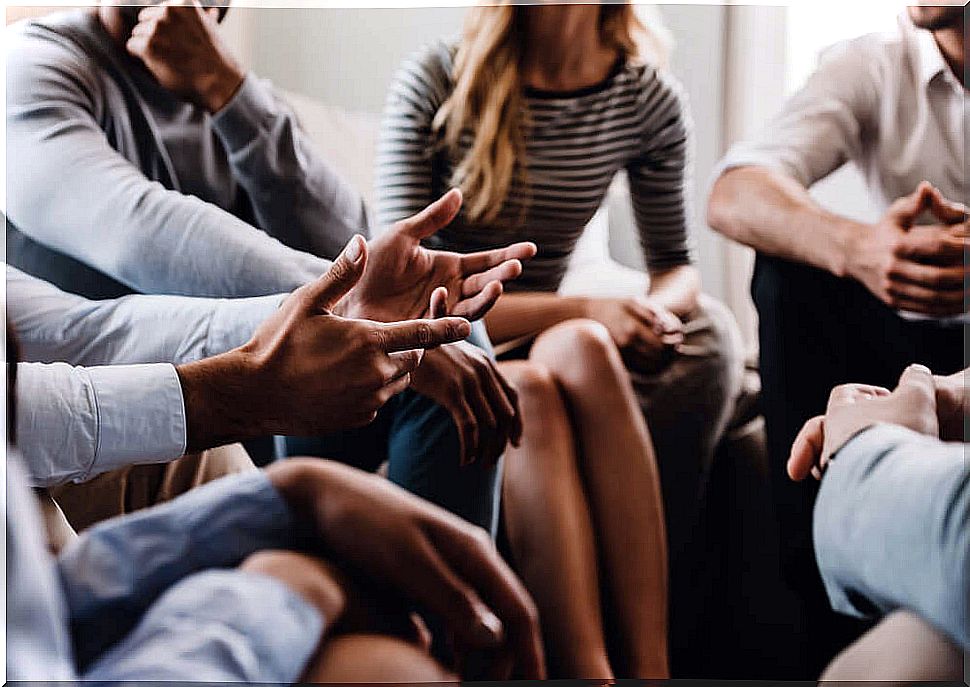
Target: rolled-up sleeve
x=76, y=422
x=822, y=126
x=892, y=528
x=217, y=626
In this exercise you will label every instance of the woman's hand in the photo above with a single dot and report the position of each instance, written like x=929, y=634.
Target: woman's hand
x=642, y=328
x=461, y=378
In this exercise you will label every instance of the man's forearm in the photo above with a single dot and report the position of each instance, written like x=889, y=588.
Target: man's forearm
x=774, y=214
x=225, y=401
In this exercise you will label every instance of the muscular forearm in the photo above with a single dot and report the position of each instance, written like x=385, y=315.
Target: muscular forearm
x=774, y=214
x=525, y=314
x=676, y=289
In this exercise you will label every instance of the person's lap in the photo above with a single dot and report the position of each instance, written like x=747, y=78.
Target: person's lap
x=817, y=331
x=418, y=440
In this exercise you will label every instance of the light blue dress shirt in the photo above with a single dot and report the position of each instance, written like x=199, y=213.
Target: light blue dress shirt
x=127, y=407
x=154, y=595
x=892, y=529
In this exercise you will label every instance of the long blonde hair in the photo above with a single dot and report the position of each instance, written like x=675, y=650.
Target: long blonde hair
x=487, y=98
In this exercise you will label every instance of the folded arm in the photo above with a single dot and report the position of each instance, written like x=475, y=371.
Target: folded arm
x=892, y=528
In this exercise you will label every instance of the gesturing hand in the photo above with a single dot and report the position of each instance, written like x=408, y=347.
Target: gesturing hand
x=641, y=328
x=854, y=407
x=179, y=43
x=917, y=268
x=306, y=370
x=419, y=551
x=461, y=378
x=401, y=274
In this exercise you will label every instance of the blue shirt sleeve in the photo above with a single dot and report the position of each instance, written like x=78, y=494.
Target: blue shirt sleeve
x=892, y=529
x=217, y=626
x=116, y=570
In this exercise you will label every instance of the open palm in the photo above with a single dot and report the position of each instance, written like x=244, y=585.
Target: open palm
x=402, y=275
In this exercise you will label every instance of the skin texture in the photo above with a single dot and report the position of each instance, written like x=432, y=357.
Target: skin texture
x=855, y=407
x=345, y=369
x=574, y=528
x=418, y=553
x=914, y=268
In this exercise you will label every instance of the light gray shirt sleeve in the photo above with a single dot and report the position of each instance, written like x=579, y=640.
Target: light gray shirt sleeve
x=822, y=126
x=74, y=423
x=55, y=326
x=892, y=528
x=69, y=190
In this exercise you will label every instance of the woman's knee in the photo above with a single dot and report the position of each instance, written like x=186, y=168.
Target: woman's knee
x=578, y=349
x=533, y=381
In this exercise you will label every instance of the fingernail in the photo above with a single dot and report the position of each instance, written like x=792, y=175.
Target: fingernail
x=916, y=367
x=354, y=248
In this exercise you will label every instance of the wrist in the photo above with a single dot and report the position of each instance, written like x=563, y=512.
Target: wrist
x=215, y=89
x=847, y=246
x=222, y=395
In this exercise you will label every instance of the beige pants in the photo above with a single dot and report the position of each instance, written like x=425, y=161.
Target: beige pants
x=899, y=650
x=73, y=507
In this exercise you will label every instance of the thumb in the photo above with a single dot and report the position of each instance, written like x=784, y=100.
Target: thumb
x=342, y=275
x=917, y=393
x=917, y=378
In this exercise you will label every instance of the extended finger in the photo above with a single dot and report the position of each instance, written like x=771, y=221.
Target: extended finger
x=906, y=209
x=478, y=562
x=946, y=210
x=434, y=217
x=468, y=432
x=474, y=308
x=508, y=400
x=429, y=579
x=501, y=407
x=439, y=302
x=925, y=308
x=481, y=261
x=507, y=271
x=412, y=334
x=806, y=451
x=931, y=297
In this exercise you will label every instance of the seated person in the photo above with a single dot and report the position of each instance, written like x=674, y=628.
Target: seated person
x=240, y=581
x=80, y=420
x=892, y=522
x=532, y=113
x=149, y=161
x=841, y=300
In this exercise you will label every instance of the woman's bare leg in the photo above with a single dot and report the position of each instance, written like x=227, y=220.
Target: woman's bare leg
x=548, y=525
x=374, y=659
x=622, y=485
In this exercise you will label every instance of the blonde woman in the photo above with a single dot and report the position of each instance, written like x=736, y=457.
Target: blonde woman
x=532, y=113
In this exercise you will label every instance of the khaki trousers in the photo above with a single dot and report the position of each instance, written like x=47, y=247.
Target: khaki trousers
x=70, y=508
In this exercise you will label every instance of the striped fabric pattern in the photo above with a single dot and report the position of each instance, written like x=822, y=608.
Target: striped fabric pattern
x=636, y=120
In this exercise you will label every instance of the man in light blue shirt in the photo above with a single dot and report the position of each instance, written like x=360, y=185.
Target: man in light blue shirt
x=892, y=522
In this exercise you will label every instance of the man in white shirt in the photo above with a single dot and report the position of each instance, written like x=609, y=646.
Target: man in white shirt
x=840, y=300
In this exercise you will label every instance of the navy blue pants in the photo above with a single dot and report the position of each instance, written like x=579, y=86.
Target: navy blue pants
x=419, y=441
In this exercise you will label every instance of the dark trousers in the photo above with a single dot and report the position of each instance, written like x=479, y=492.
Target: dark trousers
x=817, y=331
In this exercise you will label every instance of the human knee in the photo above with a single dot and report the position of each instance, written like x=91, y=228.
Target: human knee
x=533, y=381
x=578, y=347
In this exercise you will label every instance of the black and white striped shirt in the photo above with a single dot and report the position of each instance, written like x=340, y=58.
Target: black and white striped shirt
x=635, y=120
